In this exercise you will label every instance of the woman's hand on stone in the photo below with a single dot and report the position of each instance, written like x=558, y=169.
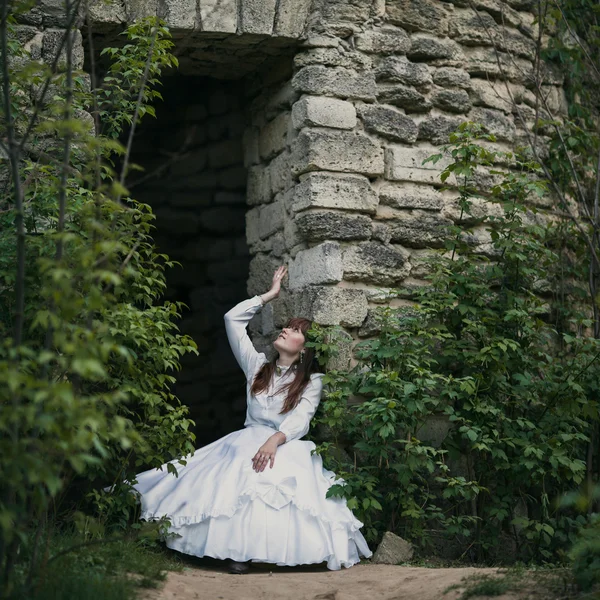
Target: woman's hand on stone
x=264, y=456
x=279, y=274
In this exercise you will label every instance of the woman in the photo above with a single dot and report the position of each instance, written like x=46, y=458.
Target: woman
x=258, y=494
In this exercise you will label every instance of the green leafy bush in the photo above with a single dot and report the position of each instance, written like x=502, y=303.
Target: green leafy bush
x=478, y=354
x=88, y=347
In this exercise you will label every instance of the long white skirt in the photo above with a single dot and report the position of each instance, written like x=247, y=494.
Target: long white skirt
x=220, y=507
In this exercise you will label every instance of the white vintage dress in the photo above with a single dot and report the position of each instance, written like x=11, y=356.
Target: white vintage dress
x=220, y=507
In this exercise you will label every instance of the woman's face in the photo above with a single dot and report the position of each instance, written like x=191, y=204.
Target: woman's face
x=290, y=340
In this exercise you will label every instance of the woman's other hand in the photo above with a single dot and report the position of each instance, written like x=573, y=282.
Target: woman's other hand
x=265, y=455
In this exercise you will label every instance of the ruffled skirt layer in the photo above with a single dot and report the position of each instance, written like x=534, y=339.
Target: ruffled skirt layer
x=219, y=506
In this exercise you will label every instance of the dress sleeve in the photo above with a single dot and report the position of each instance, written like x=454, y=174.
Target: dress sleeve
x=296, y=424
x=236, y=323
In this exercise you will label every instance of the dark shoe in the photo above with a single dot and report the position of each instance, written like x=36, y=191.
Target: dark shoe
x=238, y=568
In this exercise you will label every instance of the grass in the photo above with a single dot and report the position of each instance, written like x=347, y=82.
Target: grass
x=111, y=569
x=540, y=584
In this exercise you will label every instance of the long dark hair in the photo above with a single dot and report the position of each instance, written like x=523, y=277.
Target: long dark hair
x=302, y=369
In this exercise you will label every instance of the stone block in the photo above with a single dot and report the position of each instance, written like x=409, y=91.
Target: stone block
x=374, y=262
x=496, y=122
x=437, y=128
x=323, y=112
x=219, y=15
x=420, y=230
x=452, y=100
x=330, y=190
x=280, y=173
x=291, y=17
x=389, y=123
x=316, y=266
x=271, y=219
x=399, y=69
x=473, y=28
x=487, y=62
x=252, y=226
x=426, y=47
x=320, y=225
x=344, y=151
x=258, y=185
x=273, y=137
x=101, y=12
x=405, y=97
x=257, y=16
x=418, y=15
x=452, y=77
x=346, y=11
x=408, y=195
x=392, y=550
x=332, y=305
x=335, y=81
x=261, y=269
x=491, y=94
x=54, y=14
x=50, y=46
x=333, y=57
x=138, y=9
x=389, y=40
x=405, y=164
x=180, y=14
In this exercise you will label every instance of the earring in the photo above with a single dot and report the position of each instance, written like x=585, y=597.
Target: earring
x=301, y=356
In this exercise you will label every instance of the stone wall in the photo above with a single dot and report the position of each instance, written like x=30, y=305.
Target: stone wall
x=377, y=88
x=332, y=148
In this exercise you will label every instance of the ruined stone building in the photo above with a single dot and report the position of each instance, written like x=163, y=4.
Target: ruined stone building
x=294, y=132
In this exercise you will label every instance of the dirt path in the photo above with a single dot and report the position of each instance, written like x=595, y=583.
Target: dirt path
x=361, y=582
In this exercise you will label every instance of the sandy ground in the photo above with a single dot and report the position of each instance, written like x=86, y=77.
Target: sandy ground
x=360, y=582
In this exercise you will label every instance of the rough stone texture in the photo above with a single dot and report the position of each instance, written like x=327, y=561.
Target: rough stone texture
x=451, y=77
x=426, y=47
x=408, y=195
x=327, y=225
x=389, y=40
x=291, y=17
x=456, y=101
x=273, y=137
x=257, y=16
x=418, y=229
x=271, y=219
x=405, y=97
x=392, y=550
x=418, y=15
x=406, y=164
x=319, y=265
x=337, y=151
x=437, y=129
x=496, y=122
x=333, y=57
x=51, y=43
x=491, y=95
x=376, y=263
x=389, y=123
x=340, y=82
x=219, y=15
x=332, y=305
x=401, y=70
x=315, y=111
x=330, y=190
